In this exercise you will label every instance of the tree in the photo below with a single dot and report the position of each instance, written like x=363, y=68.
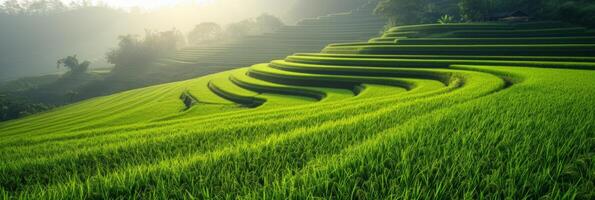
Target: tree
x=401, y=12
x=204, y=33
x=301, y=9
x=73, y=65
x=71, y=95
x=268, y=23
x=13, y=7
x=164, y=42
x=131, y=52
x=241, y=28
x=81, y=4
x=413, y=12
x=473, y=9
x=480, y=10
x=3, y=108
x=259, y=25
x=34, y=7
x=579, y=11
x=129, y=49
x=41, y=7
x=14, y=107
x=134, y=52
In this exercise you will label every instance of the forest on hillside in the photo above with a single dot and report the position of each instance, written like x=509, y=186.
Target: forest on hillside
x=401, y=12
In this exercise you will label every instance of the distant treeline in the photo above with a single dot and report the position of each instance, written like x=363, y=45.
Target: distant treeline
x=43, y=7
x=429, y=11
x=314, y=8
x=13, y=109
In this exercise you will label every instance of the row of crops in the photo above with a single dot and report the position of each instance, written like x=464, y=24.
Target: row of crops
x=307, y=35
x=373, y=120
x=341, y=65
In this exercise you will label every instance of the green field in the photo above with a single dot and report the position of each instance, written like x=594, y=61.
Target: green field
x=423, y=112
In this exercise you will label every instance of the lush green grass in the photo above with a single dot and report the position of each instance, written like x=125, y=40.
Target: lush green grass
x=468, y=41
x=333, y=126
x=496, y=50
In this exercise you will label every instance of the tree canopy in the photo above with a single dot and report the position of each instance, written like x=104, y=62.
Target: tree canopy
x=41, y=7
x=133, y=51
x=268, y=23
x=420, y=11
x=17, y=108
x=428, y=11
x=73, y=65
x=205, y=32
x=262, y=24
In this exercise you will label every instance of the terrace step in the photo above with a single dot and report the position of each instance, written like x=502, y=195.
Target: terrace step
x=503, y=41
x=454, y=57
x=444, y=61
x=495, y=50
x=318, y=93
x=226, y=89
x=360, y=71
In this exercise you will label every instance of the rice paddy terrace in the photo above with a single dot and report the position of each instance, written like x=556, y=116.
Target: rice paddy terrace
x=474, y=110
x=309, y=35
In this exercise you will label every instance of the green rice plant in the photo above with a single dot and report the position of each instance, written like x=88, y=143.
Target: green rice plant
x=445, y=19
x=401, y=34
x=455, y=57
x=495, y=50
x=493, y=41
x=449, y=119
x=550, y=32
x=455, y=26
x=420, y=62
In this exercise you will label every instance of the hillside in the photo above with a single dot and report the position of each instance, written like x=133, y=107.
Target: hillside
x=308, y=35
x=475, y=110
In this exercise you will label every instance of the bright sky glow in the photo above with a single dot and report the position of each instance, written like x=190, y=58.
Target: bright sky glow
x=145, y=4
x=151, y=4
x=185, y=14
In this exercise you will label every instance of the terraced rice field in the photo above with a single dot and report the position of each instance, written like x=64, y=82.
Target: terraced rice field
x=308, y=35
x=429, y=115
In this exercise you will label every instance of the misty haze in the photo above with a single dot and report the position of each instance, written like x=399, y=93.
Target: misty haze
x=297, y=99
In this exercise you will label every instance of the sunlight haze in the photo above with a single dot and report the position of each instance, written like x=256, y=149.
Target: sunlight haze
x=145, y=4
x=153, y=4
x=297, y=99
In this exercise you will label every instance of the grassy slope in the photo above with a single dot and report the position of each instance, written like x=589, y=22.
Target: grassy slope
x=377, y=132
